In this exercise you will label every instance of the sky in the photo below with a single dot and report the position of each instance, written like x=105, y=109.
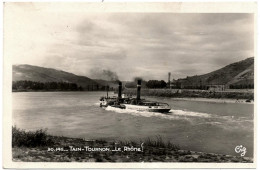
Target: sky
x=147, y=45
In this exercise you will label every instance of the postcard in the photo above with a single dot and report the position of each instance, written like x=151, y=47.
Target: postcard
x=129, y=85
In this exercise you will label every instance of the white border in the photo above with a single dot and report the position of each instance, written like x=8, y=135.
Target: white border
x=187, y=7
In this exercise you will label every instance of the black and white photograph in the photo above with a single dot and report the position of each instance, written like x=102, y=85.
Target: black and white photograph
x=109, y=85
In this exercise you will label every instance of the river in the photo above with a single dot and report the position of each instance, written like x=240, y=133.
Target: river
x=194, y=125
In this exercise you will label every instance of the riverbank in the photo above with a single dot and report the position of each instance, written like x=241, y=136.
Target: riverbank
x=211, y=100
x=40, y=147
x=187, y=93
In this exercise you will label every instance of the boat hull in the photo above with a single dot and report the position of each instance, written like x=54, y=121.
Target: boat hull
x=147, y=108
x=159, y=110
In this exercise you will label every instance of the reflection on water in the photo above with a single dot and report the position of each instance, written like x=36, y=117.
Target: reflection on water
x=199, y=126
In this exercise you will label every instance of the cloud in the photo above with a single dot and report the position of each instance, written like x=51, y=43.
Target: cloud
x=148, y=45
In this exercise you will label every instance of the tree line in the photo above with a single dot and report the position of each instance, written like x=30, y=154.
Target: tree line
x=156, y=84
x=153, y=84
x=48, y=86
x=241, y=86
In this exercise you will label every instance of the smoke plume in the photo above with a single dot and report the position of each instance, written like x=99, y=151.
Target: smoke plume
x=103, y=74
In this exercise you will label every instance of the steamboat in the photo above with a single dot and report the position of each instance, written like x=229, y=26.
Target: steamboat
x=137, y=104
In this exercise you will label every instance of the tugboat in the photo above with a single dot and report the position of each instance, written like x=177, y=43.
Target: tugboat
x=137, y=103
x=113, y=101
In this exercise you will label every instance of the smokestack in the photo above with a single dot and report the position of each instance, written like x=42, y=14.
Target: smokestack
x=169, y=79
x=107, y=87
x=119, y=89
x=138, y=89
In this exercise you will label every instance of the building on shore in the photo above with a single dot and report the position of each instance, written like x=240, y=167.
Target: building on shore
x=216, y=87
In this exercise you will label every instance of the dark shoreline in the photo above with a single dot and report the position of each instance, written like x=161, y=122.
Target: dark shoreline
x=173, y=93
x=17, y=91
x=189, y=93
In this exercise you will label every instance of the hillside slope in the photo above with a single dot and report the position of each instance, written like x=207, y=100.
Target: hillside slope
x=241, y=72
x=41, y=74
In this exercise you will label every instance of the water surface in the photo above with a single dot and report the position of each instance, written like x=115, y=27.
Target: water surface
x=194, y=125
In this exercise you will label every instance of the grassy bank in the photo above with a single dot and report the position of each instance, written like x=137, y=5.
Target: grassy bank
x=181, y=93
x=38, y=146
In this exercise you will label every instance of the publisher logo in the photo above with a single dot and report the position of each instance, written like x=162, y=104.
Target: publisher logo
x=240, y=149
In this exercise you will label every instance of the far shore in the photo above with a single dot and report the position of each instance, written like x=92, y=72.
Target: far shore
x=247, y=97
x=192, y=94
x=242, y=101
x=16, y=91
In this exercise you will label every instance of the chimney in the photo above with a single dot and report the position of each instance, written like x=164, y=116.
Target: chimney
x=119, y=89
x=169, y=79
x=138, y=89
x=107, y=88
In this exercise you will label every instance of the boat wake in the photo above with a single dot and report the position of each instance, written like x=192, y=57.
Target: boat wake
x=191, y=114
x=195, y=118
x=172, y=115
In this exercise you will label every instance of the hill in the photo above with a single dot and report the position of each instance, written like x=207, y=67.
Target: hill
x=41, y=74
x=236, y=74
